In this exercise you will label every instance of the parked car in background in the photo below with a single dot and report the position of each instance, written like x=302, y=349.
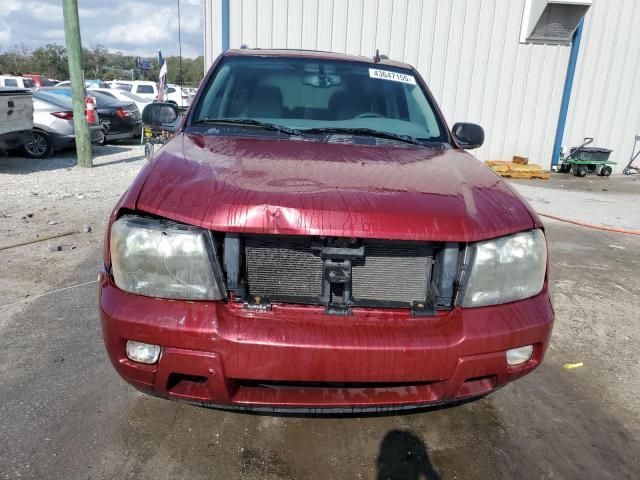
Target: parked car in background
x=314, y=237
x=178, y=95
x=143, y=88
x=41, y=80
x=13, y=81
x=87, y=84
x=53, y=125
x=121, y=119
x=149, y=90
x=16, y=118
x=119, y=85
x=123, y=96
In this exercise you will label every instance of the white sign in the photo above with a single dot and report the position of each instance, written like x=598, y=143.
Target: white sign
x=393, y=76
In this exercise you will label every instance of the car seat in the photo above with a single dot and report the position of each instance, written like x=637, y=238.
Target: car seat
x=266, y=102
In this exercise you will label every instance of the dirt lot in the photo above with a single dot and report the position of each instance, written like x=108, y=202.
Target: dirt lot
x=64, y=413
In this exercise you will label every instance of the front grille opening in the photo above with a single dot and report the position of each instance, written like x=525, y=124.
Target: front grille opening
x=393, y=273
x=291, y=269
x=283, y=266
x=324, y=385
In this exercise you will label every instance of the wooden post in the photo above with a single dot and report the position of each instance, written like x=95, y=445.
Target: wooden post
x=74, y=55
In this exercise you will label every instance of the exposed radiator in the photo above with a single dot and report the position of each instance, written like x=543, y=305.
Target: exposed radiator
x=291, y=269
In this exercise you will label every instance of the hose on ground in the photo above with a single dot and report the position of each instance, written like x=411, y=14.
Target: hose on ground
x=589, y=225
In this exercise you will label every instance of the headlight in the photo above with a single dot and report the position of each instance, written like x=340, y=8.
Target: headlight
x=505, y=269
x=161, y=258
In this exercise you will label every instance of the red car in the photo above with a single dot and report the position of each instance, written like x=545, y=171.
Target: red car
x=314, y=238
x=40, y=80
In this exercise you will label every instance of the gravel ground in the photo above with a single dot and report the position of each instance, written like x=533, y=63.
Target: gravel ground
x=64, y=412
x=41, y=198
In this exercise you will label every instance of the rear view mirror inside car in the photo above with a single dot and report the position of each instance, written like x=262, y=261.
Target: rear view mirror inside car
x=322, y=80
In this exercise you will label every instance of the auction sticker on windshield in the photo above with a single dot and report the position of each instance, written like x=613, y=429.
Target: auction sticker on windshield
x=394, y=76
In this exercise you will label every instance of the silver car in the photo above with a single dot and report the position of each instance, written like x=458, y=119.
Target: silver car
x=53, y=125
x=123, y=96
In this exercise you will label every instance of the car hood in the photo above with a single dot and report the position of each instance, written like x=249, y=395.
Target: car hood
x=258, y=185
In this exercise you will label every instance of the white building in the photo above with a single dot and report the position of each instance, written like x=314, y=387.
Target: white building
x=505, y=64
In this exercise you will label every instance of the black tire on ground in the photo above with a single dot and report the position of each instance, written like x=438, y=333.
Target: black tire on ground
x=565, y=167
x=581, y=171
x=40, y=147
x=606, y=171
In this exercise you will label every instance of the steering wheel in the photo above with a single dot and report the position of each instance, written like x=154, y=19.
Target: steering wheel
x=370, y=115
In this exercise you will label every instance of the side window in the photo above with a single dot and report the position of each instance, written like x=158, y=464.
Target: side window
x=144, y=89
x=10, y=82
x=171, y=90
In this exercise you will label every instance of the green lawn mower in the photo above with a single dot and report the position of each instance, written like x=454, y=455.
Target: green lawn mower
x=582, y=160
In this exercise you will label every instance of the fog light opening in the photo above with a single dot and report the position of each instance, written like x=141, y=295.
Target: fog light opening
x=142, y=352
x=520, y=355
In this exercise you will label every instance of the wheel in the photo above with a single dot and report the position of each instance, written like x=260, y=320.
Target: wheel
x=605, y=171
x=581, y=171
x=40, y=147
x=565, y=167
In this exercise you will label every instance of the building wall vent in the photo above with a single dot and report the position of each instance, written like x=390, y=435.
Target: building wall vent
x=552, y=21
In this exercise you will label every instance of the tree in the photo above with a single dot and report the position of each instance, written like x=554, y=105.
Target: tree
x=98, y=62
x=51, y=61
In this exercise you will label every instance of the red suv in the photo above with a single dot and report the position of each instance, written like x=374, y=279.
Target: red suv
x=315, y=238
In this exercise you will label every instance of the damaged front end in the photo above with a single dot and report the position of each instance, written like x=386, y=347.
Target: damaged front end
x=340, y=273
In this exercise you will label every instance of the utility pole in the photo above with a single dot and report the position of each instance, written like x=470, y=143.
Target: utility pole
x=74, y=55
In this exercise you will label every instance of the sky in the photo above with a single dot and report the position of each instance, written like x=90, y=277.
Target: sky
x=134, y=27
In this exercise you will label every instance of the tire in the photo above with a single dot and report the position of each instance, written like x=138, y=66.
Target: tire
x=606, y=171
x=40, y=147
x=581, y=171
x=565, y=167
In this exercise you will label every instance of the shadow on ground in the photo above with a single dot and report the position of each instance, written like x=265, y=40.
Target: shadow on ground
x=61, y=159
x=403, y=456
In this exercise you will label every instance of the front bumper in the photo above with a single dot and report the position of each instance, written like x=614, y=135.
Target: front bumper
x=296, y=358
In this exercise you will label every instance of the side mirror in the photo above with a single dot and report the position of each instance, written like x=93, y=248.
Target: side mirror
x=468, y=135
x=160, y=115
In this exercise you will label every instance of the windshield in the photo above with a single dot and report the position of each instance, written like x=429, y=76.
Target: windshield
x=307, y=94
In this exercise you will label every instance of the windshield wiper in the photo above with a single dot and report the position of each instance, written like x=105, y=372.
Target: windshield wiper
x=254, y=123
x=369, y=132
